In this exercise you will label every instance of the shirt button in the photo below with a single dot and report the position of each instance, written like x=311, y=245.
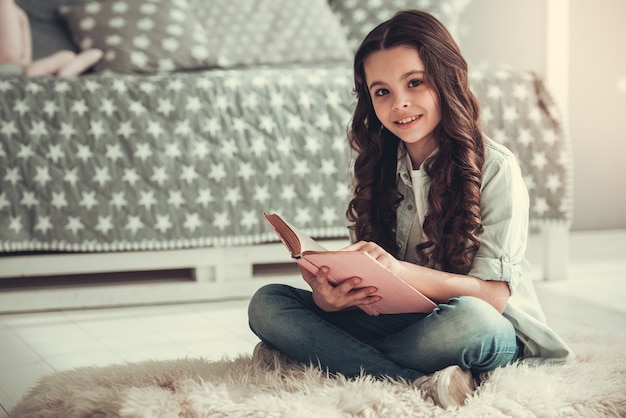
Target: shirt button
x=399, y=244
x=410, y=207
x=405, y=176
x=506, y=259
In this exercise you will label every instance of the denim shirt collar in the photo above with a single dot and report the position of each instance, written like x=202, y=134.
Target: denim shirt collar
x=405, y=213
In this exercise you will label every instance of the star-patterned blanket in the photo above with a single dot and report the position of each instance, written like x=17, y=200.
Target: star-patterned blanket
x=144, y=162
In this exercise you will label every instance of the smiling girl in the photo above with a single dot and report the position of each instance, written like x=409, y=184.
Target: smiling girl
x=440, y=205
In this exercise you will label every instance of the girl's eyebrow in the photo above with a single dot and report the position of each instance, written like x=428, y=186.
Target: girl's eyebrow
x=402, y=77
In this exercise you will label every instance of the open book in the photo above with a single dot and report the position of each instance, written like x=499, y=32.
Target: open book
x=397, y=296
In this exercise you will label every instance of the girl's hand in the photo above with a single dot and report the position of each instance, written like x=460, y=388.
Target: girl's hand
x=332, y=298
x=379, y=254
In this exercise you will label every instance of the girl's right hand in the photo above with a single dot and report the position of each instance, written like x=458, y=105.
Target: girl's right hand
x=332, y=298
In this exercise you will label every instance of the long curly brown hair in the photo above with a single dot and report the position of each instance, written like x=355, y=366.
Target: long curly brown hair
x=453, y=222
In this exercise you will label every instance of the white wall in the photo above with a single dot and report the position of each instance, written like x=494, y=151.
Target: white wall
x=514, y=32
x=598, y=112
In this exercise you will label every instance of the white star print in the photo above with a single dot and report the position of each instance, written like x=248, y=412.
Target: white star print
x=104, y=224
x=146, y=199
x=43, y=176
x=189, y=173
x=217, y=172
x=288, y=193
x=43, y=224
x=172, y=150
x=15, y=224
x=71, y=176
x=54, y=153
x=125, y=129
x=114, y=152
x=284, y=146
x=29, y=199
x=249, y=219
x=88, y=200
x=8, y=129
x=312, y=145
x=25, y=152
x=134, y=224
x=221, y=220
x=176, y=198
x=130, y=176
x=13, y=176
x=246, y=171
x=154, y=129
x=165, y=106
x=67, y=130
x=163, y=223
x=74, y=224
x=4, y=202
x=84, y=152
x=192, y=222
x=79, y=107
x=553, y=183
x=303, y=216
x=102, y=176
x=58, y=200
x=540, y=206
x=38, y=130
x=183, y=128
x=107, y=107
x=329, y=216
x=261, y=194
x=316, y=192
x=233, y=196
x=301, y=168
x=159, y=175
x=274, y=170
x=118, y=200
x=143, y=151
x=96, y=129
x=205, y=197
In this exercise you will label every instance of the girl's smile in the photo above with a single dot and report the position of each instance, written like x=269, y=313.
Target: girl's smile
x=403, y=101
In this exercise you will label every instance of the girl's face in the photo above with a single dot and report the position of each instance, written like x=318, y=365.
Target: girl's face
x=403, y=102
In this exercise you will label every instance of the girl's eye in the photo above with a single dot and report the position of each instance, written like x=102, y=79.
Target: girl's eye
x=415, y=83
x=381, y=92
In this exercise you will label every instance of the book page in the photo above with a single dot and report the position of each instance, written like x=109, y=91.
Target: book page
x=295, y=240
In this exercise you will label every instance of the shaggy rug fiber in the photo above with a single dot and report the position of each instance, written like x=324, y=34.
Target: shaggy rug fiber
x=592, y=386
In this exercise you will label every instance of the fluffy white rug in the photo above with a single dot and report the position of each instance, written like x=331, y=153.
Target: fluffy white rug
x=592, y=386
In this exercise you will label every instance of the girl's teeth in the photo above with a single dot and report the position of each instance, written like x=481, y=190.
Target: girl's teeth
x=407, y=120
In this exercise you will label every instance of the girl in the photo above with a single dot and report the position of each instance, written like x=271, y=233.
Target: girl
x=439, y=204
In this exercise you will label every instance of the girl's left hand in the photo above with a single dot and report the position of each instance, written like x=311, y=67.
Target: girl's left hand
x=379, y=254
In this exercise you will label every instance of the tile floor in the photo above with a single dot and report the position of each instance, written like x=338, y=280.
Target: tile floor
x=35, y=344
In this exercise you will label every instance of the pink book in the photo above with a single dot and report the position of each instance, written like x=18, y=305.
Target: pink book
x=397, y=296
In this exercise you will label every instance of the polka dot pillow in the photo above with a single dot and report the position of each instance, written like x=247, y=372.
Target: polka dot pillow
x=359, y=17
x=251, y=32
x=143, y=36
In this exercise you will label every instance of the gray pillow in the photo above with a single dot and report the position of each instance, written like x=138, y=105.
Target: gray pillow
x=360, y=17
x=140, y=36
x=252, y=32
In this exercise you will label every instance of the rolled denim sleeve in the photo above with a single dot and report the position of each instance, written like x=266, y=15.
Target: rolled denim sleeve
x=504, y=210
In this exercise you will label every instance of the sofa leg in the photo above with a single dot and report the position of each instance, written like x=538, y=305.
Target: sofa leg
x=223, y=272
x=556, y=251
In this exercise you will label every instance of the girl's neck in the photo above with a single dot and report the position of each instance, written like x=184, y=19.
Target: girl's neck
x=420, y=151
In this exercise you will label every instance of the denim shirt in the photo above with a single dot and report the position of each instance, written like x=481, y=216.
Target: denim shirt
x=504, y=205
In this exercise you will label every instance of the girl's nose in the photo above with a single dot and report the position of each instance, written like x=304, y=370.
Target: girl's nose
x=400, y=103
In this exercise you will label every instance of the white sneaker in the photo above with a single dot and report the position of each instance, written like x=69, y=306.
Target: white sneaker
x=272, y=359
x=448, y=387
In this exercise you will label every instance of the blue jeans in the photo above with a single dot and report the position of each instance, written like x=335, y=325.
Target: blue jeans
x=466, y=331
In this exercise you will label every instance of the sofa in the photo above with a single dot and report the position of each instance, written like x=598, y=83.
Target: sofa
x=201, y=115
